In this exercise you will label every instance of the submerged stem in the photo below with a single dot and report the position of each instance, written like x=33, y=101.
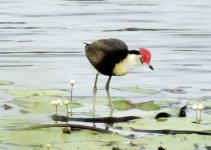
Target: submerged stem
x=71, y=93
x=196, y=116
x=67, y=115
x=56, y=110
x=199, y=116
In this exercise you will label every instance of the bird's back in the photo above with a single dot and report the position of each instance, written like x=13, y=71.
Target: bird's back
x=105, y=53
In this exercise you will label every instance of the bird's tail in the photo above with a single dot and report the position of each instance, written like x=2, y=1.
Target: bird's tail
x=86, y=44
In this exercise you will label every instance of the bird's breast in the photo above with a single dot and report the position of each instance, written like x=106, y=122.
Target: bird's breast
x=125, y=65
x=122, y=68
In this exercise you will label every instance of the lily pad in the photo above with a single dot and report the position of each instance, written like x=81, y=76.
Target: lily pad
x=2, y=82
x=76, y=140
x=14, y=124
x=24, y=92
x=126, y=105
x=168, y=142
x=138, y=90
x=122, y=105
x=41, y=104
x=172, y=123
x=147, y=106
x=91, y=140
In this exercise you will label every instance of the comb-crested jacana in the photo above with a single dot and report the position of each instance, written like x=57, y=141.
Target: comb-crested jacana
x=111, y=57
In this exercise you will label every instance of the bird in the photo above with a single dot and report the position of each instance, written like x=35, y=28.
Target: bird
x=111, y=57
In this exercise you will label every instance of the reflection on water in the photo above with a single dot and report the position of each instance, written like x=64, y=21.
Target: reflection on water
x=41, y=42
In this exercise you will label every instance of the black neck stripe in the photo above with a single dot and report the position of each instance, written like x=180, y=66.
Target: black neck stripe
x=134, y=52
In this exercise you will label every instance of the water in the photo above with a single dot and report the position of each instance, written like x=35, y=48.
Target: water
x=41, y=43
x=41, y=46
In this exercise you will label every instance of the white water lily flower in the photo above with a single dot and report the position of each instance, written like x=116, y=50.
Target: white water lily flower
x=56, y=102
x=72, y=82
x=48, y=145
x=66, y=102
x=195, y=107
x=200, y=107
x=59, y=102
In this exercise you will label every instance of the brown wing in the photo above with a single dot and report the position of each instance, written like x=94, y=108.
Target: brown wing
x=105, y=53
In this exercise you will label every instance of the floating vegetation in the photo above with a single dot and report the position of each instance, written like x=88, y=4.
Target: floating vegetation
x=126, y=105
x=95, y=140
x=40, y=104
x=165, y=131
x=123, y=105
x=138, y=90
x=147, y=106
x=76, y=140
x=175, y=91
x=172, y=123
x=26, y=92
x=2, y=82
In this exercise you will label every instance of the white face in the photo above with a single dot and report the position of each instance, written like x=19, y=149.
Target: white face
x=134, y=59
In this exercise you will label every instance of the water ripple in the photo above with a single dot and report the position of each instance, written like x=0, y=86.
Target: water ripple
x=142, y=29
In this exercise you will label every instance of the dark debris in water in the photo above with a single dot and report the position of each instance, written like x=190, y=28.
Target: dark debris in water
x=7, y=107
x=108, y=120
x=116, y=148
x=131, y=136
x=66, y=130
x=161, y=148
x=162, y=115
x=15, y=66
x=173, y=132
x=175, y=91
x=208, y=147
x=206, y=90
x=182, y=113
x=136, y=29
x=196, y=146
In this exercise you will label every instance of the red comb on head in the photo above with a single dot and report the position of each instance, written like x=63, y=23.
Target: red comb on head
x=146, y=55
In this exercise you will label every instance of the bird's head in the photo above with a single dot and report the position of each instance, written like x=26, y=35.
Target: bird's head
x=145, y=57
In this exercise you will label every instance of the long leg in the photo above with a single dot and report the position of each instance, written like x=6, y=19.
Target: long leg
x=94, y=93
x=108, y=93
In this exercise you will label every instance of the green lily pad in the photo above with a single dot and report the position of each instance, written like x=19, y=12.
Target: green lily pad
x=147, y=106
x=11, y=124
x=126, y=105
x=23, y=92
x=90, y=140
x=162, y=119
x=122, y=105
x=41, y=104
x=171, y=123
x=2, y=82
x=139, y=90
x=168, y=142
x=76, y=140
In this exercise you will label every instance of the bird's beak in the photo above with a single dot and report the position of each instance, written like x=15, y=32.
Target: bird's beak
x=150, y=66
